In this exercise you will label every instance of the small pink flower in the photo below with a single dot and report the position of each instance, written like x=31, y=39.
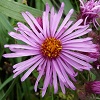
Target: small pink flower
x=95, y=54
x=55, y=50
x=93, y=87
x=90, y=11
x=96, y=40
x=39, y=20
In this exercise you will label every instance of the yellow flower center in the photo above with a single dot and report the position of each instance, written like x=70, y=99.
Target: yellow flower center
x=51, y=47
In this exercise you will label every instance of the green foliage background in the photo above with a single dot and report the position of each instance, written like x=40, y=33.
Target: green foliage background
x=13, y=89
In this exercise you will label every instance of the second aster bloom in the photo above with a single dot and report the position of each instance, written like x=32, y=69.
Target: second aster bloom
x=55, y=50
x=93, y=87
x=96, y=40
x=90, y=11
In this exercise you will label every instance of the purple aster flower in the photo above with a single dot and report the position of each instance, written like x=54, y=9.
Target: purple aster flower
x=39, y=20
x=93, y=87
x=90, y=11
x=55, y=50
x=96, y=40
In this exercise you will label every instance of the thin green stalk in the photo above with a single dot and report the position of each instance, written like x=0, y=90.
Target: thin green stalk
x=9, y=89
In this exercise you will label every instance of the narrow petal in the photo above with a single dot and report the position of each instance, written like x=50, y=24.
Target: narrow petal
x=26, y=30
x=65, y=21
x=72, y=28
x=34, y=21
x=77, y=33
x=80, y=56
x=30, y=70
x=51, y=18
x=22, y=53
x=74, y=63
x=81, y=45
x=81, y=49
x=21, y=67
x=58, y=17
x=63, y=29
x=78, y=60
x=24, y=64
x=73, y=78
x=55, y=84
x=96, y=7
x=62, y=86
x=47, y=20
x=19, y=46
x=68, y=69
x=44, y=24
x=60, y=75
x=40, y=75
x=66, y=77
x=27, y=61
x=53, y=24
x=20, y=37
x=30, y=39
x=97, y=23
x=47, y=79
x=77, y=40
x=81, y=1
x=29, y=21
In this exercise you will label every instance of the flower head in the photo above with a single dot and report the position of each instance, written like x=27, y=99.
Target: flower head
x=93, y=87
x=90, y=11
x=55, y=51
x=96, y=40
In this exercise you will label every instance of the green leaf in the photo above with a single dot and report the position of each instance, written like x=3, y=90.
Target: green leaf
x=68, y=5
x=35, y=73
x=5, y=27
x=5, y=22
x=6, y=82
x=3, y=40
x=47, y=1
x=26, y=89
x=14, y=9
x=93, y=76
x=20, y=1
x=39, y=4
x=19, y=92
x=3, y=35
x=1, y=91
x=9, y=89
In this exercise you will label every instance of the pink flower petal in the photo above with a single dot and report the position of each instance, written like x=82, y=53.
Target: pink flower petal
x=40, y=75
x=30, y=70
x=55, y=83
x=60, y=75
x=34, y=21
x=65, y=20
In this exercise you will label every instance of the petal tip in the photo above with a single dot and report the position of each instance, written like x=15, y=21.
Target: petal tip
x=22, y=79
x=62, y=4
x=22, y=13
x=10, y=33
x=43, y=93
x=27, y=12
x=4, y=55
x=72, y=10
x=6, y=46
x=14, y=76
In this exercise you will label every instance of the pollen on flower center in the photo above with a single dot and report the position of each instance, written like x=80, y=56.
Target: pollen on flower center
x=51, y=47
